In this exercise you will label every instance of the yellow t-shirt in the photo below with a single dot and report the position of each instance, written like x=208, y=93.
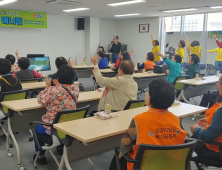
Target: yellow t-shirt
x=219, y=53
x=195, y=50
x=180, y=52
x=156, y=49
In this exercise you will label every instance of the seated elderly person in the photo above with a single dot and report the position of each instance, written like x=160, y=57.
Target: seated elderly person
x=119, y=90
x=212, y=129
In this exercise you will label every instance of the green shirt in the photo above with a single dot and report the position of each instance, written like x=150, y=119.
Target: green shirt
x=192, y=71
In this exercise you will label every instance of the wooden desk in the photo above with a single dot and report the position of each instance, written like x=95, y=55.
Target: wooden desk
x=30, y=104
x=100, y=136
x=200, y=82
x=197, y=87
x=22, y=112
x=83, y=66
x=194, y=87
x=144, y=79
x=83, y=71
x=108, y=73
x=36, y=85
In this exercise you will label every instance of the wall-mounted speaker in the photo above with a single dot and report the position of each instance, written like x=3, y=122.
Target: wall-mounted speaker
x=81, y=23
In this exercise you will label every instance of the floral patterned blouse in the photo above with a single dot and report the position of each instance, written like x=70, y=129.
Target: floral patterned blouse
x=56, y=98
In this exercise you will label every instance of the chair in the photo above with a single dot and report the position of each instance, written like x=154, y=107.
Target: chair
x=159, y=157
x=31, y=80
x=106, y=68
x=9, y=96
x=203, y=69
x=211, y=69
x=178, y=86
x=134, y=104
x=208, y=162
x=56, y=138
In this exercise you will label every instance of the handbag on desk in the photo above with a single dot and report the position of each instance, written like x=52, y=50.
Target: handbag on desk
x=158, y=69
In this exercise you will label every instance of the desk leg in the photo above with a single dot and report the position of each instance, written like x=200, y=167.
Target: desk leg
x=61, y=165
x=15, y=143
x=65, y=156
x=183, y=97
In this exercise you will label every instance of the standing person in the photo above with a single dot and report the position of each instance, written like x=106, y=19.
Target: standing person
x=218, y=60
x=194, y=47
x=217, y=41
x=115, y=49
x=155, y=49
x=180, y=51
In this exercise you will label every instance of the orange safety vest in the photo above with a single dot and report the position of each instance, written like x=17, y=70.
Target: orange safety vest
x=209, y=115
x=149, y=65
x=157, y=127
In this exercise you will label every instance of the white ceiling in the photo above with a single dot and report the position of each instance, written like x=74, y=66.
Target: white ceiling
x=99, y=8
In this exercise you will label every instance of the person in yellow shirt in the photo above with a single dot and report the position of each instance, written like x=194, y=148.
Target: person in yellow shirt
x=180, y=51
x=218, y=60
x=156, y=48
x=194, y=47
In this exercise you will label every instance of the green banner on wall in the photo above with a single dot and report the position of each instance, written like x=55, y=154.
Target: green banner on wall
x=218, y=33
x=22, y=19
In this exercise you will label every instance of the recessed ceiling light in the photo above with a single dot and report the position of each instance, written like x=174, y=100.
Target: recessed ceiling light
x=76, y=9
x=180, y=10
x=126, y=3
x=4, y=2
x=125, y=15
x=215, y=7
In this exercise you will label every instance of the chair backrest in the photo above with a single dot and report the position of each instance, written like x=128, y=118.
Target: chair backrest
x=13, y=95
x=68, y=115
x=106, y=68
x=185, y=65
x=203, y=66
x=179, y=86
x=167, y=157
x=134, y=104
x=31, y=80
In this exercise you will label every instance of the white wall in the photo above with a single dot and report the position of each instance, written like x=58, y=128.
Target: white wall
x=61, y=38
x=128, y=31
x=107, y=30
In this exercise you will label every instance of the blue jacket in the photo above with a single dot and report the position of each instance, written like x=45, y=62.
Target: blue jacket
x=103, y=63
x=213, y=131
x=175, y=70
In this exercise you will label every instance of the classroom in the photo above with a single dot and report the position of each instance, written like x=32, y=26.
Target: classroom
x=110, y=85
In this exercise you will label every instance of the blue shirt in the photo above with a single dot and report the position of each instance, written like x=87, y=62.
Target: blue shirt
x=175, y=70
x=103, y=63
x=213, y=131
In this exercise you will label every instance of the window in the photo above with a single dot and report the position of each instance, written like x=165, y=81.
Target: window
x=172, y=24
x=214, y=22
x=196, y=21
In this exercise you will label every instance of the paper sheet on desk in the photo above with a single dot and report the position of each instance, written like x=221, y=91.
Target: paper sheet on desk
x=102, y=115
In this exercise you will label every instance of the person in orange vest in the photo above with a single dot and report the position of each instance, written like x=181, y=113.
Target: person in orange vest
x=212, y=129
x=149, y=64
x=157, y=126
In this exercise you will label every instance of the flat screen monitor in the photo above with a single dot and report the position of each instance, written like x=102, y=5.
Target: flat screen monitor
x=39, y=63
x=35, y=55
